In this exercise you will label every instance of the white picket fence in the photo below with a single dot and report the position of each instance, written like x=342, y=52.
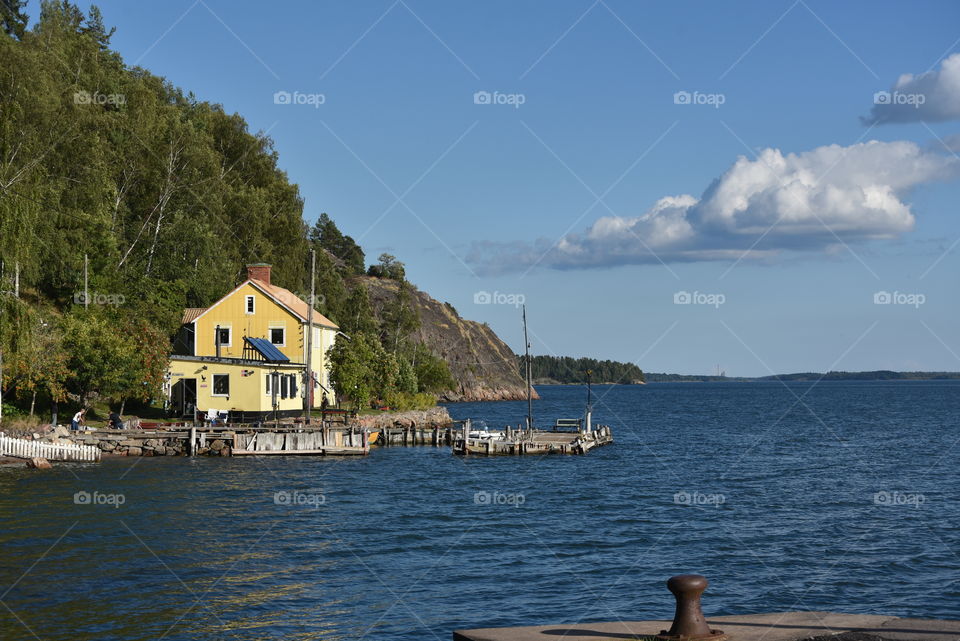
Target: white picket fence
x=21, y=448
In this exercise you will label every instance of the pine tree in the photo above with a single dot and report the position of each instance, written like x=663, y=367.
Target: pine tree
x=13, y=18
x=326, y=235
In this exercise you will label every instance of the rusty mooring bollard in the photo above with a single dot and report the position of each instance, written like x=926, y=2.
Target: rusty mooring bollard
x=688, y=621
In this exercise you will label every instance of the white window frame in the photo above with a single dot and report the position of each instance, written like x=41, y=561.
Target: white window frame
x=229, y=329
x=249, y=305
x=213, y=385
x=269, y=384
x=283, y=329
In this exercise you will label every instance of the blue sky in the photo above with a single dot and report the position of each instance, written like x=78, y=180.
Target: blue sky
x=548, y=187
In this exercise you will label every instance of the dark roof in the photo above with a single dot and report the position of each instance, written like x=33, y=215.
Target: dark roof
x=266, y=349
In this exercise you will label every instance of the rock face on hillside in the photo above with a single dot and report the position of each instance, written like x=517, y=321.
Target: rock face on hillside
x=483, y=366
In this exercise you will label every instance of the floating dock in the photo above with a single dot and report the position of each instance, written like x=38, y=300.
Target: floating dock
x=523, y=442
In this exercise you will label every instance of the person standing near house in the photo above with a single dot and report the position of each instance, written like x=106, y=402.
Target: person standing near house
x=115, y=421
x=77, y=420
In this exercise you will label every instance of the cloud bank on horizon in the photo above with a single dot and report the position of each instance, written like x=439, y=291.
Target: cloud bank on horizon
x=808, y=201
x=933, y=96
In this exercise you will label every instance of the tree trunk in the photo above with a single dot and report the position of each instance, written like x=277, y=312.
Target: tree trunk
x=33, y=401
x=123, y=404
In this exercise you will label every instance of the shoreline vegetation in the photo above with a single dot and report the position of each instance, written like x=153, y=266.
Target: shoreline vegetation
x=106, y=160
x=567, y=370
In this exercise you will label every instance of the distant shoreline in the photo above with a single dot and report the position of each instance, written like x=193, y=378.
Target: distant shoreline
x=879, y=375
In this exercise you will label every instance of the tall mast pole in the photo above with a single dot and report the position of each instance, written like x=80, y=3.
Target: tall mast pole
x=526, y=347
x=589, y=394
x=308, y=383
x=86, y=289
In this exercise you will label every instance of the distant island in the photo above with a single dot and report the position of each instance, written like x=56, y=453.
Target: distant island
x=876, y=375
x=566, y=370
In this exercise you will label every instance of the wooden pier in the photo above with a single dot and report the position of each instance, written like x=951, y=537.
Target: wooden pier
x=229, y=440
x=324, y=442
x=435, y=436
x=521, y=442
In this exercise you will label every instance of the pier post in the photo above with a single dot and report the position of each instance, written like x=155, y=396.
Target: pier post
x=192, y=445
x=688, y=622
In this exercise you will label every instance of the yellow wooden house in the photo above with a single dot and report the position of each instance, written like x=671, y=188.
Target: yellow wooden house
x=247, y=354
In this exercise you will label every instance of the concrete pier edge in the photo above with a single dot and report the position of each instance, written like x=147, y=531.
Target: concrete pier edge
x=774, y=626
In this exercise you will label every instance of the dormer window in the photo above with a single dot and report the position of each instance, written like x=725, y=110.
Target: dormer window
x=250, y=304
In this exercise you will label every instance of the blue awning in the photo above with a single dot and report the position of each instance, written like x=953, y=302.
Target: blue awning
x=266, y=349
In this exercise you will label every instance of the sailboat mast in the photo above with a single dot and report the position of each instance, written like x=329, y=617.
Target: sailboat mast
x=526, y=347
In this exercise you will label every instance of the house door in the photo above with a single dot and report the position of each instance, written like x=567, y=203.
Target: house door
x=188, y=397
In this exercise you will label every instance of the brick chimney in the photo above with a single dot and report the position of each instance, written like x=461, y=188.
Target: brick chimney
x=259, y=271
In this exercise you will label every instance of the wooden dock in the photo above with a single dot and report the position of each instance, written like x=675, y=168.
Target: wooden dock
x=321, y=442
x=229, y=440
x=520, y=442
x=436, y=436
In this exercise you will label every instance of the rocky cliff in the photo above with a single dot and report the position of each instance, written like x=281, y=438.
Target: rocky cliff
x=484, y=367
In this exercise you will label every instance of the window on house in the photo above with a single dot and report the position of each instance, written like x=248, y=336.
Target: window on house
x=221, y=385
x=250, y=304
x=283, y=386
x=278, y=336
x=224, y=336
x=269, y=387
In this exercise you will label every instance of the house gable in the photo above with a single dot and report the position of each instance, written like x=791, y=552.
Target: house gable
x=231, y=313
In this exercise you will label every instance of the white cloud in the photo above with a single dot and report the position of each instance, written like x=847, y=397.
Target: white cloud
x=813, y=200
x=933, y=96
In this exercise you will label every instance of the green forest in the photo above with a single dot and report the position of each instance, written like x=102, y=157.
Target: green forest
x=567, y=370
x=161, y=199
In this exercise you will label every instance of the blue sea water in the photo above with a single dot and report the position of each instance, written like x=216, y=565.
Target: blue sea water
x=837, y=496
